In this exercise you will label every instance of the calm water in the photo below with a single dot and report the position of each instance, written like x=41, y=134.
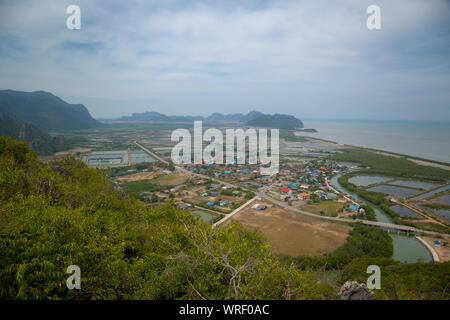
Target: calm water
x=429, y=140
x=405, y=212
x=414, y=184
x=206, y=216
x=394, y=191
x=445, y=199
x=364, y=180
x=443, y=213
x=406, y=249
x=429, y=194
x=380, y=215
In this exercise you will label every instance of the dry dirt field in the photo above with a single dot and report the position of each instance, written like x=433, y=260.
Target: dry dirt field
x=293, y=234
x=442, y=251
x=138, y=176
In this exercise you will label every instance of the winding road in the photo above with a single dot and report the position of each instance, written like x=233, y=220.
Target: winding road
x=262, y=194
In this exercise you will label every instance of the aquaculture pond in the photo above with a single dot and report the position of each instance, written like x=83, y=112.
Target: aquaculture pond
x=204, y=215
x=430, y=193
x=445, y=199
x=394, y=191
x=405, y=212
x=367, y=180
x=406, y=249
x=414, y=184
x=442, y=212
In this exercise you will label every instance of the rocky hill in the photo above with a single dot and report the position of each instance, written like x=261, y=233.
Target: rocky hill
x=38, y=140
x=45, y=111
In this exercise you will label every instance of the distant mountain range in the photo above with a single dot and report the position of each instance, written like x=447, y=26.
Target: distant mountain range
x=45, y=111
x=38, y=140
x=159, y=117
x=253, y=118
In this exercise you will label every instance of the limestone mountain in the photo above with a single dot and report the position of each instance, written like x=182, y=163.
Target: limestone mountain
x=279, y=121
x=45, y=111
x=38, y=140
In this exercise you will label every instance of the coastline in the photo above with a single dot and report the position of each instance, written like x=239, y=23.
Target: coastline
x=422, y=140
x=417, y=160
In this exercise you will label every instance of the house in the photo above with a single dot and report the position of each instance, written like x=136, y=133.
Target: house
x=205, y=194
x=182, y=206
x=331, y=196
x=223, y=203
x=285, y=189
x=353, y=207
x=259, y=206
x=210, y=203
x=305, y=196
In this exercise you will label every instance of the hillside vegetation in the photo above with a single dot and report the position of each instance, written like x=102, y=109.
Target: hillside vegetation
x=64, y=213
x=38, y=140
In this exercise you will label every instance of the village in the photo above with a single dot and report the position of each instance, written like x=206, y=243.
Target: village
x=140, y=165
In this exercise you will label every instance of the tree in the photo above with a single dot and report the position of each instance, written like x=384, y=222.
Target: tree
x=171, y=167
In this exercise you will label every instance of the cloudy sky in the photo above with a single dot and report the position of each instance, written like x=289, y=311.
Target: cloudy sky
x=313, y=59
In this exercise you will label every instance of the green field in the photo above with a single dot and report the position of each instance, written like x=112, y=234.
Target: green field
x=327, y=208
x=380, y=163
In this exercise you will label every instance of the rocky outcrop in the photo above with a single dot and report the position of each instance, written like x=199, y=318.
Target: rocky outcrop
x=352, y=290
x=38, y=140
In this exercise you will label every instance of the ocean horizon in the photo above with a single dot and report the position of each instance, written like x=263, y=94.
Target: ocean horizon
x=423, y=139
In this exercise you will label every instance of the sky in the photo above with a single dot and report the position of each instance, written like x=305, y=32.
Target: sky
x=311, y=59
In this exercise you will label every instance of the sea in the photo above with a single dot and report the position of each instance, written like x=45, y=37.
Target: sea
x=423, y=139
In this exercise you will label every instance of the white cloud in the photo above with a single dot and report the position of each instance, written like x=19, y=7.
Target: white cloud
x=209, y=55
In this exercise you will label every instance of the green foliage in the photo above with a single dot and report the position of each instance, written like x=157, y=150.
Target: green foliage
x=403, y=281
x=249, y=195
x=398, y=166
x=38, y=140
x=135, y=188
x=363, y=241
x=62, y=214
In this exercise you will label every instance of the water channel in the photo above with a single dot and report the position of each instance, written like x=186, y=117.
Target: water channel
x=406, y=249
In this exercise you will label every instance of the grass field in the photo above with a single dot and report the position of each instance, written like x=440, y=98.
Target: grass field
x=135, y=188
x=293, y=234
x=170, y=179
x=327, y=208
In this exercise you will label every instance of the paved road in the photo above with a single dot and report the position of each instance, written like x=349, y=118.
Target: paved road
x=288, y=207
x=228, y=216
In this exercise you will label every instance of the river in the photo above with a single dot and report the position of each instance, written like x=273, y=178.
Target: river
x=406, y=249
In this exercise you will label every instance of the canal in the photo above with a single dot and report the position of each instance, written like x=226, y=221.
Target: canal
x=406, y=249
